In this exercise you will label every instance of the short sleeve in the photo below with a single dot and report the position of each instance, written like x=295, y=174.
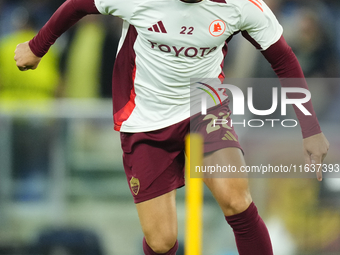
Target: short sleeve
x=119, y=8
x=259, y=25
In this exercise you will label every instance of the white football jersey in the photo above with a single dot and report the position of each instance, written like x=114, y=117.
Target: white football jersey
x=165, y=43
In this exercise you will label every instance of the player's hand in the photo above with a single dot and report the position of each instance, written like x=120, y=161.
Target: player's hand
x=25, y=58
x=315, y=150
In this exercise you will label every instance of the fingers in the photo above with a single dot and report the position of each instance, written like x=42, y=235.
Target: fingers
x=315, y=151
x=317, y=161
x=25, y=67
x=307, y=158
x=314, y=162
x=22, y=67
x=24, y=57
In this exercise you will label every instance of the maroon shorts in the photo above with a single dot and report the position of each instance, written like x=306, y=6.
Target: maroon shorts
x=154, y=161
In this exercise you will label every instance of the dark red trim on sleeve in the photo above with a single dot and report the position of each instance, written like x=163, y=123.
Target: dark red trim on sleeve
x=123, y=80
x=231, y=36
x=246, y=35
x=66, y=16
x=286, y=65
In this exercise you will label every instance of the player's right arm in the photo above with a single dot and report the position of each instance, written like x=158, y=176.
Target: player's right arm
x=29, y=54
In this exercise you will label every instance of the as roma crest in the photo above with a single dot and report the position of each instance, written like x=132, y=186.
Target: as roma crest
x=217, y=27
x=135, y=185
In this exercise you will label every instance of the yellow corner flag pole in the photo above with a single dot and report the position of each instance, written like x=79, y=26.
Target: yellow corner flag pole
x=193, y=196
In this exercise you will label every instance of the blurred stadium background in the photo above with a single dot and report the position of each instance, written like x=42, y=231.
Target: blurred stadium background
x=62, y=186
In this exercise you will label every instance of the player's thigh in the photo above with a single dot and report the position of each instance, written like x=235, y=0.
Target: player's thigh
x=231, y=190
x=158, y=219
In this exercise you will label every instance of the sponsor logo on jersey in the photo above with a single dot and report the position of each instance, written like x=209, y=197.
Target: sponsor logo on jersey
x=217, y=27
x=189, y=52
x=158, y=28
x=135, y=185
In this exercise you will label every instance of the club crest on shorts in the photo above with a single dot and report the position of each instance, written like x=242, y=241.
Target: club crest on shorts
x=217, y=27
x=135, y=185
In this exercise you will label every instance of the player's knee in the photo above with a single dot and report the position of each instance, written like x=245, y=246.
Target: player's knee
x=236, y=203
x=162, y=243
x=240, y=204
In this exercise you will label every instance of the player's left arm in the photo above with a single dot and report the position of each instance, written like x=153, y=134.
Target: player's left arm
x=261, y=28
x=286, y=65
